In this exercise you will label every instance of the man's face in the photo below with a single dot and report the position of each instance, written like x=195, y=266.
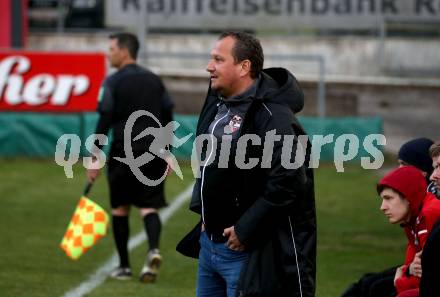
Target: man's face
x=115, y=54
x=225, y=73
x=394, y=207
x=435, y=176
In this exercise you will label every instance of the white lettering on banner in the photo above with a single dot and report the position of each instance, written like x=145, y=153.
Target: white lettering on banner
x=269, y=14
x=38, y=89
x=15, y=81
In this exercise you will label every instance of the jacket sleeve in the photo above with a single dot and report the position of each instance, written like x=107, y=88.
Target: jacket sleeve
x=105, y=109
x=167, y=116
x=282, y=188
x=406, y=281
x=167, y=108
x=424, y=227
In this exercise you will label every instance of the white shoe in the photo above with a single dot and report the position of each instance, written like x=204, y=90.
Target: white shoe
x=151, y=268
x=121, y=273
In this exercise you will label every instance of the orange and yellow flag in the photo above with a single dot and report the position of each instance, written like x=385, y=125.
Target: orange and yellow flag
x=88, y=224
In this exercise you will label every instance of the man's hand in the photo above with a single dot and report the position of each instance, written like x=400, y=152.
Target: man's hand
x=92, y=174
x=93, y=169
x=233, y=242
x=399, y=273
x=415, y=268
x=169, y=161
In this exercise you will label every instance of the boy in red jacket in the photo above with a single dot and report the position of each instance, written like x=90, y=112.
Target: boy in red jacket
x=406, y=202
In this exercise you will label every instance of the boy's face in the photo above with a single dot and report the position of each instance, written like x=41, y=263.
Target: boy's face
x=394, y=207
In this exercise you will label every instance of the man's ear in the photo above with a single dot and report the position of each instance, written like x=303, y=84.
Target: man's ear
x=245, y=67
x=125, y=52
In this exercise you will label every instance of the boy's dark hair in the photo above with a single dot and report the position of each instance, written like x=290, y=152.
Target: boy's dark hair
x=247, y=47
x=381, y=188
x=434, y=150
x=128, y=41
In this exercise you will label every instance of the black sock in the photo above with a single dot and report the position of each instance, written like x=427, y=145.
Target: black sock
x=152, y=227
x=121, y=232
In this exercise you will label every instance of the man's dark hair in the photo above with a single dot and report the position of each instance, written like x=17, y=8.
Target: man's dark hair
x=247, y=47
x=434, y=150
x=128, y=41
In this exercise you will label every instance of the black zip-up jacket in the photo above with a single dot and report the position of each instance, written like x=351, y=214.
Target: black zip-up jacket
x=272, y=208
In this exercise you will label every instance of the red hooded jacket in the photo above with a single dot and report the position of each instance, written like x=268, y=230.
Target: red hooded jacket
x=425, y=211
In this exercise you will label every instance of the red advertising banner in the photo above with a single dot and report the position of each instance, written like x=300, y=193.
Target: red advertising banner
x=50, y=82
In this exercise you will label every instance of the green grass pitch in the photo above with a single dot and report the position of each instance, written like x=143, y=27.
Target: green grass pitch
x=38, y=201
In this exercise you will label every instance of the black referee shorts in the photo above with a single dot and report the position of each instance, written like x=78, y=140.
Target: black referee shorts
x=126, y=189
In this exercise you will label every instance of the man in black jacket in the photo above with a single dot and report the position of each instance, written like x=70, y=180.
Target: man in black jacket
x=257, y=235
x=429, y=286
x=133, y=89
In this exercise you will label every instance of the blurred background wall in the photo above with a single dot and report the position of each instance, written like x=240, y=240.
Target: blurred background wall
x=353, y=58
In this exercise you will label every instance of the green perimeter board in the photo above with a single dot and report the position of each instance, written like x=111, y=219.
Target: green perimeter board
x=36, y=134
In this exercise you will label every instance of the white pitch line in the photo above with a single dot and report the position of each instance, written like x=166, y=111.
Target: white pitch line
x=100, y=275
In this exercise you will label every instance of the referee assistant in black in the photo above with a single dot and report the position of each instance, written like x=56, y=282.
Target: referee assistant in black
x=128, y=90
